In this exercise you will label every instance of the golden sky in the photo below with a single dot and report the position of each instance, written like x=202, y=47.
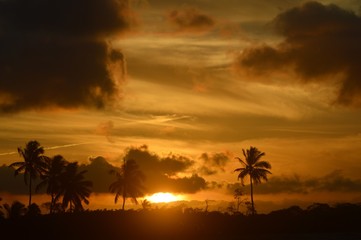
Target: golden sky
x=197, y=80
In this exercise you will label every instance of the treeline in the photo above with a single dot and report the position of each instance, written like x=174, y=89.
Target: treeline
x=65, y=182
x=68, y=189
x=319, y=221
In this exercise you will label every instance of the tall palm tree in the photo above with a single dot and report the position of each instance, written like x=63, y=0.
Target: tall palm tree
x=128, y=183
x=33, y=165
x=52, y=178
x=254, y=167
x=73, y=188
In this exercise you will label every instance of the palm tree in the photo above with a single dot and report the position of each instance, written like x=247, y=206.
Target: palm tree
x=128, y=183
x=254, y=167
x=73, y=188
x=33, y=164
x=52, y=177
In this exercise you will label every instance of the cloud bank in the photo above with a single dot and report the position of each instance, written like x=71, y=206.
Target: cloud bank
x=332, y=182
x=166, y=174
x=58, y=54
x=320, y=43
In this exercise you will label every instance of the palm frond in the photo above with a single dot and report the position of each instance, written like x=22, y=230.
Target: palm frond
x=263, y=164
x=241, y=161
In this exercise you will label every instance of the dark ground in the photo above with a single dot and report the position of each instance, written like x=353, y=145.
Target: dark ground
x=319, y=221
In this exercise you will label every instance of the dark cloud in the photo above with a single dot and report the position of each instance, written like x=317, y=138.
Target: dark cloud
x=191, y=20
x=98, y=172
x=57, y=54
x=212, y=163
x=320, y=42
x=163, y=173
x=333, y=182
x=11, y=184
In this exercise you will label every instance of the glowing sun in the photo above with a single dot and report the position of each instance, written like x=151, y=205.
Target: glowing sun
x=163, y=197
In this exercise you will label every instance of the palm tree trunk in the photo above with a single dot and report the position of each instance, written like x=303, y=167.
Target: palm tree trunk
x=253, y=211
x=52, y=203
x=29, y=190
x=123, y=202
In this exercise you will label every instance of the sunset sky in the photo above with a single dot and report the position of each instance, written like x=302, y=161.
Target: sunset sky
x=184, y=86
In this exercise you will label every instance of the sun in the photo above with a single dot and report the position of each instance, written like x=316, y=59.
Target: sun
x=162, y=197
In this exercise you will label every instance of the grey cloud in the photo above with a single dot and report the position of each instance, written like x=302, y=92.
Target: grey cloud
x=332, y=182
x=213, y=163
x=57, y=54
x=10, y=183
x=161, y=172
x=98, y=172
x=320, y=41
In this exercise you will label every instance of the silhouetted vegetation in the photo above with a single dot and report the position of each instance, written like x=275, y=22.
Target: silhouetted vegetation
x=256, y=169
x=33, y=165
x=318, y=221
x=69, y=189
x=73, y=188
x=52, y=178
x=128, y=183
x=61, y=179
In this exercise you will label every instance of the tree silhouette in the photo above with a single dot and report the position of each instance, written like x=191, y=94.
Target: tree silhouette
x=33, y=210
x=146, y=204
x=15, y=210
x=128, y=183
x=52, y=178
x=73, y=188
x=33, y=165
x=1, y=212
x=254, y=167
x=238, y=193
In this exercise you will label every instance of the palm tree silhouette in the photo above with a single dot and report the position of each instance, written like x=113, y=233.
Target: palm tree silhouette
x=128, y=183
x=52, y=177
x=33, y=164
x=73, y=188
x=254, y=167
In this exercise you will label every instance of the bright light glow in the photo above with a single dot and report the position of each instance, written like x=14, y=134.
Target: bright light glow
x=163, y=197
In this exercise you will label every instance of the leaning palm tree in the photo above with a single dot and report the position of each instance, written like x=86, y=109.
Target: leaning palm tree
x=128, y=183
x=254, y=167
x=33, y=165
x=52, y=178
x=73, y=188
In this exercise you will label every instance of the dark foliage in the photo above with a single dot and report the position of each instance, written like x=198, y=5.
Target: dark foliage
x=316, y=222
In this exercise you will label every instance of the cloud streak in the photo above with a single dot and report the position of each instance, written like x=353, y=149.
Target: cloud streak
x=321, y=45
x=59, y=54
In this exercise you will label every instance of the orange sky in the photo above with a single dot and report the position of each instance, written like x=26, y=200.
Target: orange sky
x=192, y=78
